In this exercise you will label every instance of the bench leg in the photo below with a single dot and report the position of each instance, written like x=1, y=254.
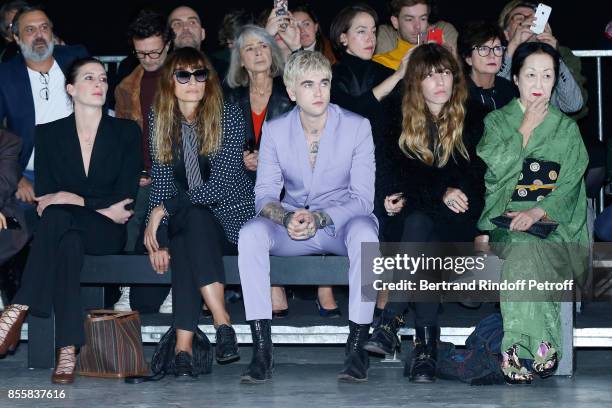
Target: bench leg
x=41, y=342
x=566, y=365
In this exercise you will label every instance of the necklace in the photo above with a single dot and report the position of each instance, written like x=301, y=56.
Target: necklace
x=260, y=92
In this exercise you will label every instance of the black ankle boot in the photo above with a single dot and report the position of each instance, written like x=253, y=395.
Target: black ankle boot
x=226, y=349
x=384, y=338
x=260, y=368
x=421, y=366
x=356, y=363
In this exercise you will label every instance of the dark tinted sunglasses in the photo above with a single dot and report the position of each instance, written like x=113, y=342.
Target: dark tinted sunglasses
x=184, y=76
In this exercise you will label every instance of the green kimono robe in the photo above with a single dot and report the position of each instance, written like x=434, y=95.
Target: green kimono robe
x=564, y=253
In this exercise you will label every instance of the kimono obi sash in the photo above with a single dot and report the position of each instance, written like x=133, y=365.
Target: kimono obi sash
x=537, y=180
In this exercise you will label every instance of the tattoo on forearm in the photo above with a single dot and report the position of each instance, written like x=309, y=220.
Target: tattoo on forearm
x=274, y=212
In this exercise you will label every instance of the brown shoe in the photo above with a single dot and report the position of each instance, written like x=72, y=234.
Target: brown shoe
x=10, y=327
x=64, y=366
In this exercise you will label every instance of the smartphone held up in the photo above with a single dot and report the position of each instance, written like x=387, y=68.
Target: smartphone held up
x=542, y=13
x=282, y=9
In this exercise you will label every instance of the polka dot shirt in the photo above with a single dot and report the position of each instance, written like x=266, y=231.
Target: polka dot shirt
x=229, y=192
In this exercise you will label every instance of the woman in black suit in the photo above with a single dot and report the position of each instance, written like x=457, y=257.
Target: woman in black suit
x=87, y=167
x=200, y=196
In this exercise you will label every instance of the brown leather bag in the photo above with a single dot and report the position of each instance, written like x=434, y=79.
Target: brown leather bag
x=113, y=345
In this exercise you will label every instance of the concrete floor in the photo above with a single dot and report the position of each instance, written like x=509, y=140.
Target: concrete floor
x=306, y=376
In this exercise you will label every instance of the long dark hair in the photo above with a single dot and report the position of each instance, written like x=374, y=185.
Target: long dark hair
x=208, y=122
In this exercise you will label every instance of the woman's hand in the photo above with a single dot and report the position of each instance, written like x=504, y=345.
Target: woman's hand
x=160, y=260
x=61, y=197
x=117, y=211
x=535, y=112
x=394, y=204
x=250, y=159
x=290, y=34
x=455, y=200
x=150, y=235
x=523, y=220
x=3, y=222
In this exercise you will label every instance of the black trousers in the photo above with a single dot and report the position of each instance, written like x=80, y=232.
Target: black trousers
x=197, y=246
x=51, y=279
x=416, y=226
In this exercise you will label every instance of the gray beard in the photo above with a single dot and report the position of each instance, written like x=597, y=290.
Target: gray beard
x=30, y=54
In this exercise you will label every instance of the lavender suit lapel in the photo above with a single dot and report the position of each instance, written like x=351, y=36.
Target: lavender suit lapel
x=325, y=156
x=300, y=150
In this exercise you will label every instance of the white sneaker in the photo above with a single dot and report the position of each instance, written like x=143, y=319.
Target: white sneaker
x=123, y=304
x=166, y=307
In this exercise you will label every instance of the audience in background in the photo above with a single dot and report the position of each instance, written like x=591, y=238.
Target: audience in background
x=32, y=86
x=151, y=41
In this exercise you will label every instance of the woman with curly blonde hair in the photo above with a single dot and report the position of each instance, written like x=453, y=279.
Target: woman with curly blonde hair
x=433, y=187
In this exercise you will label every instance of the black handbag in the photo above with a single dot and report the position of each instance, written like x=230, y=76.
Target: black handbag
x=541, y=229
x=162, y=362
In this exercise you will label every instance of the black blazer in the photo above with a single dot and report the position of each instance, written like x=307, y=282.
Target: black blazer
x=115, y=165
x=278, y=104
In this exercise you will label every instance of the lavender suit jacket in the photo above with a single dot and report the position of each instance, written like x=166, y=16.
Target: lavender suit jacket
x=342, y=181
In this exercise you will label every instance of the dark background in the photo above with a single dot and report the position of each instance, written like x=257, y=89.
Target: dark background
x=579, y=25
x=101, y=25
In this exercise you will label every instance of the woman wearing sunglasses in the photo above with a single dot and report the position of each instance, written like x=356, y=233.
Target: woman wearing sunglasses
x=200, y=196
x=481, y=47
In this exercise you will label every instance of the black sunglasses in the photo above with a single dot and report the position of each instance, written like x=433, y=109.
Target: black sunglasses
x=183, y=76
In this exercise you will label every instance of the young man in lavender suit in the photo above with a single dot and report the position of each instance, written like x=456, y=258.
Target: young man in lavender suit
x=324, y=158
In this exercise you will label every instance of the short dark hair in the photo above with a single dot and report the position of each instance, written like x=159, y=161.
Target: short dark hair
x=529, y=48
x=396, y=6
x=25, y=10
x=149, y=23
x=6, y=7
x=73, y=69
x=475, y=34
x=343, y=20
x=232, y=23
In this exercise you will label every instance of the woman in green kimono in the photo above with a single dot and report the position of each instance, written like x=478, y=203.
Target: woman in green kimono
x=535, y=161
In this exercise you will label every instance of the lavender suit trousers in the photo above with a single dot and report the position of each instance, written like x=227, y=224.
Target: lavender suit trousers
x=260, y=238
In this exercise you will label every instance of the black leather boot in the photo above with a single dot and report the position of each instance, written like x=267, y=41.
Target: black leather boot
x=384, y=338
x=226, y=349
x=421, y=366
x=260, y=369
x=357, y=362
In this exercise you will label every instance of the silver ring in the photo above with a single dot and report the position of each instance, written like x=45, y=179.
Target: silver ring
x=450, y=203
x=390, y=214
